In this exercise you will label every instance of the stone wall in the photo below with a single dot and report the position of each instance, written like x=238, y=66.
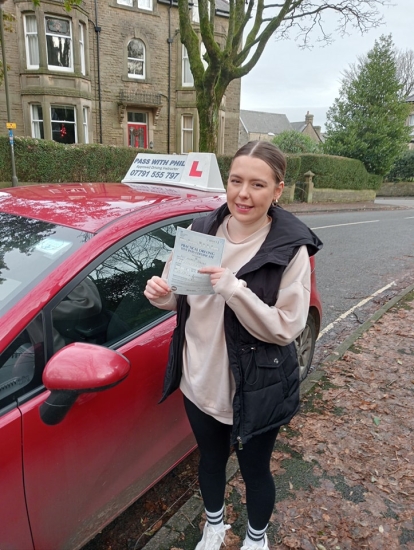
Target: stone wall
x=398, y=189
x=343, y=195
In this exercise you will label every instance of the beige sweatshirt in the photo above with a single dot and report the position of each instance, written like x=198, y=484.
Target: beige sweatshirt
x=207, y=379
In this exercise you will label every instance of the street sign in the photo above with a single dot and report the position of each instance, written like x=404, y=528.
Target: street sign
x=11, y=125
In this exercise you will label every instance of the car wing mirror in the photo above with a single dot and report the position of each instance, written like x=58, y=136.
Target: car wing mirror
x=75, y=369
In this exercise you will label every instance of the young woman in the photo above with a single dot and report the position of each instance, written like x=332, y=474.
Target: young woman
x=233, y=353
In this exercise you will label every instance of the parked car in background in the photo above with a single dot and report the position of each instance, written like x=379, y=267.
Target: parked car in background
x=83, y=352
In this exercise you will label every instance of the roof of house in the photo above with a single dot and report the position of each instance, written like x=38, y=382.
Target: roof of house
x=298, y=126
x=410, y=98
x=264, y=123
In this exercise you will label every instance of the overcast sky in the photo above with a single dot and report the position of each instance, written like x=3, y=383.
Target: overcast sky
x=292, y=81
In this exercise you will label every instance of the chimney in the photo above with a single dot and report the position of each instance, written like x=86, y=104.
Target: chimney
x=317, y=129
x=308, y=118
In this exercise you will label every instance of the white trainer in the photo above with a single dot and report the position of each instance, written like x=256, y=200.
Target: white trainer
x=212, y=539
x=253, y=546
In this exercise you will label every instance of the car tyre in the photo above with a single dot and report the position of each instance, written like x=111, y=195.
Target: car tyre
x=305, y=345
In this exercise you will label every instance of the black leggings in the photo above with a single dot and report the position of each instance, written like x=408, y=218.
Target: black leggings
x=213, y=439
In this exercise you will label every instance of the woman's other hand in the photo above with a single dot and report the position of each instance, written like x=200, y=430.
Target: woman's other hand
x=214, y=272
x=156, y=288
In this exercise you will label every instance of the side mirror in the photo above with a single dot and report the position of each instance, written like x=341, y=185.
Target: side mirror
x=75, y=369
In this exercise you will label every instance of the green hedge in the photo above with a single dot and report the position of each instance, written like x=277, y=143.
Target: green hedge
x=44, y=161
x=403, y=169
x=293, y=168
x=50, y=162
x=338, y=172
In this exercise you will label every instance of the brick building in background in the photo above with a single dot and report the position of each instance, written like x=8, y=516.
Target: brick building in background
x=111, y=72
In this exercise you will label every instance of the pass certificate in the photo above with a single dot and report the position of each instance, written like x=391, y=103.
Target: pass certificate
x=193, y=250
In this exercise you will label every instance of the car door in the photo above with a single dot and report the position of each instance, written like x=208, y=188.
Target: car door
x=112, y=445
x=14, y=524
x=20, y=369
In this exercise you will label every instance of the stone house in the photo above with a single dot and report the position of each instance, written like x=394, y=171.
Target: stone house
x=111, y=72
x=308, y=129
x=265, y=126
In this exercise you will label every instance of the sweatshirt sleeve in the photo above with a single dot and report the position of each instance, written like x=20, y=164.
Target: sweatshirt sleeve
x=168, y=302
x=279, y=324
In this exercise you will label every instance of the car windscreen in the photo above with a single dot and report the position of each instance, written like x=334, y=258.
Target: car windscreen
x=29, y=250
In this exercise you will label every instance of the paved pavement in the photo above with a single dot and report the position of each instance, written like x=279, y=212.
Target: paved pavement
x=383, y=203
x=344, y=467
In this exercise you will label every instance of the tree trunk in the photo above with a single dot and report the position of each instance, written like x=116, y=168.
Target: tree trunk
x=208, y=106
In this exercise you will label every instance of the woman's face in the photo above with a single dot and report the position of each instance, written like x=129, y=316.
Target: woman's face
x=251, y=188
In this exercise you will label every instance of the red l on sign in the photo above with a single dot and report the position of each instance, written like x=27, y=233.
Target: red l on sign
x=193, y=170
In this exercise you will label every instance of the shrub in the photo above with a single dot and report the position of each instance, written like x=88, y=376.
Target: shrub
x=403, y=169
x=291, y=141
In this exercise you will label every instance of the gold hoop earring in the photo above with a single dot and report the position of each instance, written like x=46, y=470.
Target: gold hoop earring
x=274, y=202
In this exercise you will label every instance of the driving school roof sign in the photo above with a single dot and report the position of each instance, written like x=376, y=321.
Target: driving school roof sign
x=195, y=170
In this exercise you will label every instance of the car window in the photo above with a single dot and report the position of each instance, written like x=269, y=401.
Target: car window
x=22, y=363
x=108, y=305
x=30, y=250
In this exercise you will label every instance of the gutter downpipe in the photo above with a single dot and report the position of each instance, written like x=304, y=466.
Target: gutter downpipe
x=170, y=41
x=97, y=31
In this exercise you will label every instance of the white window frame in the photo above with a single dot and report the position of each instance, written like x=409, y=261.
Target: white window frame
x=143, y=60
x=411, y=120
x=28, y=34
x=85, y=124
x=186, y=131
x=74, y=123
x=70, y=37
x=185, y=69
x=82, y=33
x=125, y=2
x=36, y=121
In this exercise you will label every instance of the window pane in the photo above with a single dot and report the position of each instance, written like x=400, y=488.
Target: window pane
x=63, y=124
x=59, y=43
x=136, y=58
x=125, y=2
x=109, y=304
x=135, y=67
x=145, y=4
x=85, y=114
x=136, y=49
x=37, y=122
x=194, y=12
x=32, y=42
x=187, y=76
x=187, y=144
x=22, y=363
x=82, y=47
x=137, y=117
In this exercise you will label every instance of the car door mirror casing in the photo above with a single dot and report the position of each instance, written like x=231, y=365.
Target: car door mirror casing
x=79, y=368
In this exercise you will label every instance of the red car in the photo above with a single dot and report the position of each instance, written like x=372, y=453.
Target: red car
x=83, y=353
